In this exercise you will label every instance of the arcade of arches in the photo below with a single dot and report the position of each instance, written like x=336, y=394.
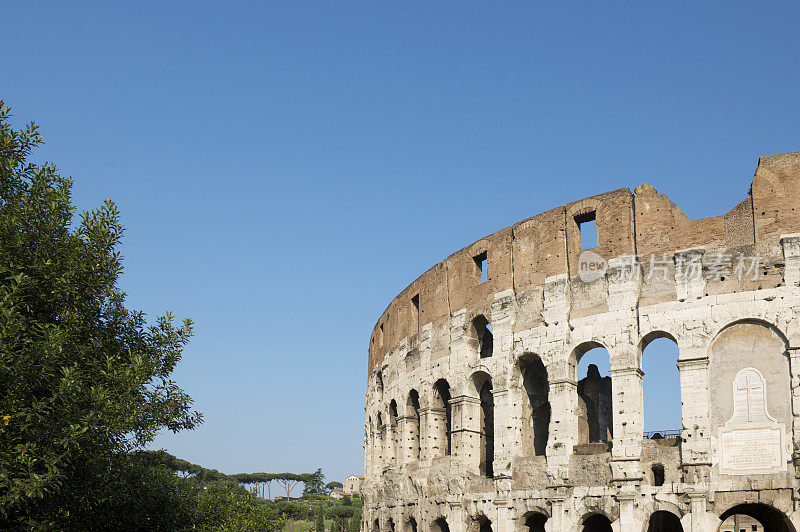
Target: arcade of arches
x=509, y=392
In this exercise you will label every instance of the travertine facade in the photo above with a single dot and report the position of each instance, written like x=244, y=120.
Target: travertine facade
x=476, y=419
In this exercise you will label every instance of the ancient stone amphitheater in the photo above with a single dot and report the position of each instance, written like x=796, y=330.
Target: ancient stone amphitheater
x=477, y=420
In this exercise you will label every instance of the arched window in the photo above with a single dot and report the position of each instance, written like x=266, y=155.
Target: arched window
x=535, y=522
x=658, y=474
x=595, y=412
x=412, y=413
x=596, y=523
x=440, y=525
x=411, y=525
x=662, y=521
x=485, y=525
x=483, y=385
x=393, y=430
x=483, y=334
x=535, y=406
x=762, y=516
x=441, y=400
x=661, y=385
x=379, y=385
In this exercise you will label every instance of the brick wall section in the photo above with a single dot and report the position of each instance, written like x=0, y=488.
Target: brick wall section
x=644, y=222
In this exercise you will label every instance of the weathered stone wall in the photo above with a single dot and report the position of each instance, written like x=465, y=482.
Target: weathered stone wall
x=736, y=322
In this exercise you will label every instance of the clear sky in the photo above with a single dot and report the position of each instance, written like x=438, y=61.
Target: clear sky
x=285, y=169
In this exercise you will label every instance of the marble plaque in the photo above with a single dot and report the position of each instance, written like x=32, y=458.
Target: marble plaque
x=752, y=449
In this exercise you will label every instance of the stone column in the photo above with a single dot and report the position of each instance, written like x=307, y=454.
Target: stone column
x=791, y=256
x=367, y=454
x=698, y=517
x=558, y=521
x=627, y=518
x=695, y=405
x=502, y=452
x=466, y=435
x=427, y=417
x=436, y=425
x=794, y=368
x=504, y=521
x=382, y=462
x=628, y=406
x=563, y=434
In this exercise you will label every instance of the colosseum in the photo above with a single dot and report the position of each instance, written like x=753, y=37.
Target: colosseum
x=477, y=418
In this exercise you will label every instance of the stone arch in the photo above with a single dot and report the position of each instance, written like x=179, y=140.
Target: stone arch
x=413, y=426
x=772, y=519
x=656, y=505
x=379, y=386
x=595, y=413
x=595, y=522
x=482, y=524
x=482, y=382
x=750, y=344
x=440, y=525
x=663, y=521
x=661, y=379
x=442, y=419
x=411, y=525
x=392, y=430
x=535, y=405
x=533, y=521
x=481, y=336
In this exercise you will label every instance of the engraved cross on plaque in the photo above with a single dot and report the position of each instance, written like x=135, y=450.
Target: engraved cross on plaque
x=749, y=398
x=751, y=386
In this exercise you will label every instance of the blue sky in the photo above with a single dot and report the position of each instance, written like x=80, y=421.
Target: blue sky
x=285, y=169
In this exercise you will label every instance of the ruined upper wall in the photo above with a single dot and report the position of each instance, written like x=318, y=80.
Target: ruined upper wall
x=644, y=223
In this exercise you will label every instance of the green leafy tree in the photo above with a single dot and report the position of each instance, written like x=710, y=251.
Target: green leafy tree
x=313, y=483
x=320, y=524
x=330, y=486
x=84, y=379
x=354, y=524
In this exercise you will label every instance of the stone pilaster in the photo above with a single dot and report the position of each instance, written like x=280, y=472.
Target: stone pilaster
x=689, y=282
x=791, y=256
x=502, y=451
x=695, y=405
x=466, y=435
x=563, y=434
x=794, y=368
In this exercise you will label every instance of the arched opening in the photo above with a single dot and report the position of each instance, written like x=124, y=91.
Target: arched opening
x=596, y=523
x=412, y=413
x=380, y=446
x=483, y=334
x=391, y=525
x=411, y=525
x=376, y=526
x=657, y=471
x=764, y=518
x=393, y=430
x=379, y=385
x=663, y=521
x=441, y=400
x=484, y=524
x=535, y=406
x=483, y=385
x=749, y=365
x=535, y=522
x=595, y=412
x=440, y=525
x=661, y=386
